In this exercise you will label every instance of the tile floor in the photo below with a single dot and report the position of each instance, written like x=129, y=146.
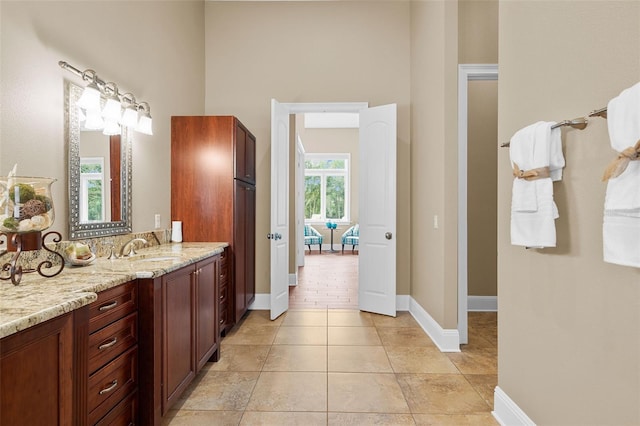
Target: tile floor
x=343, y=367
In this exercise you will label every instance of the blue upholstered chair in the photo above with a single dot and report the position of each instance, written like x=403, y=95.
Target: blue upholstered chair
x=312, y=236
x=351, y=237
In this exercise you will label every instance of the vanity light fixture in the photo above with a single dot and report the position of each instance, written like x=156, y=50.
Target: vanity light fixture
x=112, y=110
x=130, y=114
x=111, y=127
x=90, y=99
x=144, y=124
x=94, y=120
x=137, y=115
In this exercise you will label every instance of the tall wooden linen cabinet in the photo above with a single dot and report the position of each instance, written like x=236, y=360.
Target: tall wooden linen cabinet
x=213, y=193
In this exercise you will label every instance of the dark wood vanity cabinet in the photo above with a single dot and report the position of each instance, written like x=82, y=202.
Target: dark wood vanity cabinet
x=213, y=193
x=179, y=333
x=36, y=374
x=112, y=356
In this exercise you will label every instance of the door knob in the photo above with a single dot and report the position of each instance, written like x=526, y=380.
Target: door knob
x=388, y=235
x=270, y=236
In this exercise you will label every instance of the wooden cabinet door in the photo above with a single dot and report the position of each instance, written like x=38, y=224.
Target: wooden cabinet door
x=36, y=375
x=207, y=330
x=244, y=249
x=178, y=312
x=245, y=152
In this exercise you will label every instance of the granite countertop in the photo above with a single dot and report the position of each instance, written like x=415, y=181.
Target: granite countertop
x=38, y=299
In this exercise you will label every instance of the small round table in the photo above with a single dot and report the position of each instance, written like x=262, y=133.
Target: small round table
x=332, y=228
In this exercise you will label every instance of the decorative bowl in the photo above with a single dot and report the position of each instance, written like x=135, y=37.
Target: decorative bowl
x=81, y=262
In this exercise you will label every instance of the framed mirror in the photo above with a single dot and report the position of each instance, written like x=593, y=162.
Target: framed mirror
x=99, y=176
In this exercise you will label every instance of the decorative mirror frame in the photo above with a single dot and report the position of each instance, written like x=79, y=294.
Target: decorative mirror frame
x=79, y=230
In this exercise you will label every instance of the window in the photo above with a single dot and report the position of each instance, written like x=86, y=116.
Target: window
x=91, y=189
x=326, y=187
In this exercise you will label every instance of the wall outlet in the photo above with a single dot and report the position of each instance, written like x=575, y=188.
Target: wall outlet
x=157, y=220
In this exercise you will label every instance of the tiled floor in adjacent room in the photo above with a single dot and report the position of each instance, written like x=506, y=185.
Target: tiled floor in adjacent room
x=343, y=367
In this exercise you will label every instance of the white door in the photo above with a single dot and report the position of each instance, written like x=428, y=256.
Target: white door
x=279, y=232
x=377, y=257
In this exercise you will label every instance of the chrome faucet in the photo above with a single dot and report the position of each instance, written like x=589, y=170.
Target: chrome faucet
x=131, y=247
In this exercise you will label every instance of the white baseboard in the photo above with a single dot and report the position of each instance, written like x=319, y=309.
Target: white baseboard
x=262, y=302
x=293, y=279
x=447, y=340
x=482, y=303
x=402, y=302
x=507, y=412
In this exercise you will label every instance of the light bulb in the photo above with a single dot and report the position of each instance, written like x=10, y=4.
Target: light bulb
x=90, y=98
x=94, y=120
x=144, y=123
x=112, y=110
x=130, y=117
x=111, y=127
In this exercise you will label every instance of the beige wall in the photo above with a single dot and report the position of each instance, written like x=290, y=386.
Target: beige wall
x=434, y=73
x=569, y=324
x=478, y=44
x=478, y=31
x=309, y=52
x=149, y=53
x=482, y=197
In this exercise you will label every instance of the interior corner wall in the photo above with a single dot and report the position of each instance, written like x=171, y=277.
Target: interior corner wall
x=569, y=323
x=434, y=63
x=166, y=43
x=309, y=52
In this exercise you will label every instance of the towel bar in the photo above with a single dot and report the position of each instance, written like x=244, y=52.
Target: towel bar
x=577, y=123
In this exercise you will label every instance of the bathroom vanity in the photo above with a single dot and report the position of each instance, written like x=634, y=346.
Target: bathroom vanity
x=117, y=341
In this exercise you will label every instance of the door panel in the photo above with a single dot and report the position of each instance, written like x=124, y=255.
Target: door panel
x=279, y=232
x=377, y=259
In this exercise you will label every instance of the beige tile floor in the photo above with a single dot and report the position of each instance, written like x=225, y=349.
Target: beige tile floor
x=343, y=367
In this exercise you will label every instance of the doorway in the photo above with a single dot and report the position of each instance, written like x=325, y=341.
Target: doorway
x=377, y=198
x=467, y=75
x=326, y=173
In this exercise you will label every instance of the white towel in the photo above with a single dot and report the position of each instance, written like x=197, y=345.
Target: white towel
x=533, y=211
x=621, y=227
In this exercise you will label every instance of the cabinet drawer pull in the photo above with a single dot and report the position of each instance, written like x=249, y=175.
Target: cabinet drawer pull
x=109, y=306
x=222, y=297
x=221, y=321
x=108, y=344
x=108, y=389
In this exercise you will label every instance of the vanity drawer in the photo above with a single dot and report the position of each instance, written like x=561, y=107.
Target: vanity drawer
x=112, y=305
x=112, y=340
x=111, y=384
x=123, y=414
